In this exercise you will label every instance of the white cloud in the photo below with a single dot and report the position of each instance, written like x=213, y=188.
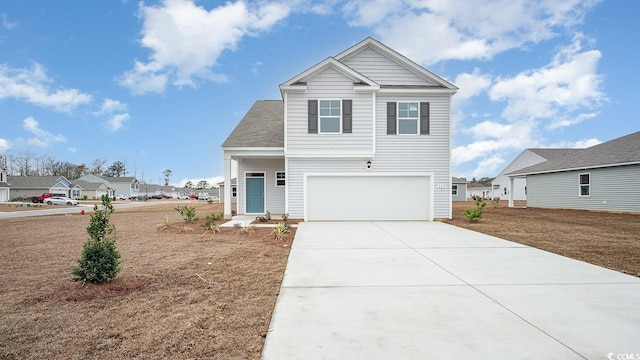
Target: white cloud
x=186, y=40
x=490, y=165
x=9, y=25
x=465, y=29
x=110, y=106
x=255, y=67
x=72, y=150
x=42, y=138
x=32, y=86
x=4, y=146
x=568, y=84
x=115, y=112
x=116, y=122
x=557, y=123
x=471, y=85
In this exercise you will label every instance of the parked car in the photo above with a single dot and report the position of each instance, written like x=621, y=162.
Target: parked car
x=203, y=196
x=183, y=197
x=193, y=196
x=61, y=200
x=121, y=197
x=155, y=196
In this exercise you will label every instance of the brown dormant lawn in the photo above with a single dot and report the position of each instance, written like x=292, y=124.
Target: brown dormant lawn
x=182, y=293
x=187, y=293
x=611, y=240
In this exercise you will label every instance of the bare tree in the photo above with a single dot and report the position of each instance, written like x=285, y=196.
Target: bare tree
x=23, y=163
x=97, y=167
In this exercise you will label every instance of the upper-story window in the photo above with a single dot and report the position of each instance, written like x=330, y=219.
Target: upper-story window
x=281, y=178
x=408, y=115
x=330, y=119
x=454, y=189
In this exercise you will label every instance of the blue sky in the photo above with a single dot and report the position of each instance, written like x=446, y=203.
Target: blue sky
x=160, y=84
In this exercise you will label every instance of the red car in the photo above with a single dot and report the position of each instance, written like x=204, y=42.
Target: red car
x=193, y=196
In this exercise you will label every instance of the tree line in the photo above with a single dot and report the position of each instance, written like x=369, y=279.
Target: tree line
x=30, y=164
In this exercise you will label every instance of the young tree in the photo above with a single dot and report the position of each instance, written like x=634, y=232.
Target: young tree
x=167, y=175
x=188, y=185
x=100, y=259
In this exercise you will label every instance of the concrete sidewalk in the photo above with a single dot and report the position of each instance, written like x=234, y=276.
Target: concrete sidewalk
x=428, y=290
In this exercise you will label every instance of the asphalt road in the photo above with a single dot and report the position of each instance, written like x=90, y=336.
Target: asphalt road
x=54, y=210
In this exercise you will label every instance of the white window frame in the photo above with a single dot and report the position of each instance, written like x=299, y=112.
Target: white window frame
x=454, y=189
x=320, y=117
x=398, y=118
x=284, y=178
x=580, y=185
x=234, y=191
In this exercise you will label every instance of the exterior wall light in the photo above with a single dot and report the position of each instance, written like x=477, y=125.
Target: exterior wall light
x=369, y=165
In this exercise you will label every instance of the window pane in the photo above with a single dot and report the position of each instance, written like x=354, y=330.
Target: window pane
x=329, y=125
x=407, y=126
x=584, y=178
x=413, y=109
x=584, y=189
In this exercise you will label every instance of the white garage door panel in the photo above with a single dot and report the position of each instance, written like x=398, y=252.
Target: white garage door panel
x=368, y=198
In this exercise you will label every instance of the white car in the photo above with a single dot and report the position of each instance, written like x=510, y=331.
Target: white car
x=61, y=200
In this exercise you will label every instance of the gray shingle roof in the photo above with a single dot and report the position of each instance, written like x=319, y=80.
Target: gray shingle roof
x=35, y=182
x=262, y=126
x=85, y=185
x=623, y=150
x=456, y=180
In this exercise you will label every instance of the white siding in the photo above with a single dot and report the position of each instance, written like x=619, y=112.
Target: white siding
x=612, y=189
x=274, y=195
x=328, y=84
x=418, y=153
x=525, y=159
x=383, y=70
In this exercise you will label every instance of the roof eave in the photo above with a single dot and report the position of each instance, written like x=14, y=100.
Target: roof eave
x=600, y=166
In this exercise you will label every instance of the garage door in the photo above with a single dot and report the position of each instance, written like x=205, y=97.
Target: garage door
x=368, y=197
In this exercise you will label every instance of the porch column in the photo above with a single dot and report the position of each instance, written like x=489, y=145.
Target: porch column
x=227, y=186
x=511, y=181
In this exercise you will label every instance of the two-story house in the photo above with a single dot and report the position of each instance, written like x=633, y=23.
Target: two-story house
x=363, y=135
x=4, y=186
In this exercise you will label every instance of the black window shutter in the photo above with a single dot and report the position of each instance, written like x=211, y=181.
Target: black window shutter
x=346, y=116
x=391, y=118
x=313, y=116
x=424, y=118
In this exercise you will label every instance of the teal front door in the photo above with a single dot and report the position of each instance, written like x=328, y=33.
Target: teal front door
x=255, y=195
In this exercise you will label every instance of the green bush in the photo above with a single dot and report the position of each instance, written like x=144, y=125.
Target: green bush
x=280, y=231
x=188, y=213
x=210, y=222
x=475, y=214
x=100, y=260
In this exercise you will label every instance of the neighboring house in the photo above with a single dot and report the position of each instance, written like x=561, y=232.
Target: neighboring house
x=363, y=135
x=234, y=191
x=94, y=190
x=529, y=157
x=28, y=186
x=458, y=189
x=125, y=185
x=484, y=192
x=601, y=177
x=4, y=186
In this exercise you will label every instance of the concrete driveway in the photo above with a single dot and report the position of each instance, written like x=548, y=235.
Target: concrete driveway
x=428, y=290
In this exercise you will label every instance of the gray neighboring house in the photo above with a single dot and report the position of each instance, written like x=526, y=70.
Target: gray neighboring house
x=458, y=189
x=602, y=177
x=234, y=191
x=501, y=186
x=94, y=190
x=125, y=185
x=4, y=186
x=28, y=186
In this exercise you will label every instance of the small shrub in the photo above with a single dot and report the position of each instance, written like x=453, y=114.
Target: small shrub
x=495, y=201
x=100, y=260
x=285, y=217
x=247, y=230
x=166, y=223
x=475, y=214
x=188, y=213
x=268, y=215
x=209, y=201
x=281, y=230
x=211, y=226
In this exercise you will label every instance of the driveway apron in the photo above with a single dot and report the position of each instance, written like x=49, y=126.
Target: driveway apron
x=429, y=290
